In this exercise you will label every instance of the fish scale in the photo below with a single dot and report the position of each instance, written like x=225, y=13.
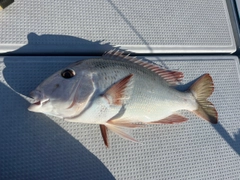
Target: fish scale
x=137, y=107
x=119, y=91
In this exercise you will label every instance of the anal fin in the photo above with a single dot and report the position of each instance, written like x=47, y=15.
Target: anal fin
x=119, y=131
x=172, y=119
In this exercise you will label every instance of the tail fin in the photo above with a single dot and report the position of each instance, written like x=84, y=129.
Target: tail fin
x=201, y=90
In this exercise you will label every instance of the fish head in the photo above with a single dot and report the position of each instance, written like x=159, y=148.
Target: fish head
x=64, y=94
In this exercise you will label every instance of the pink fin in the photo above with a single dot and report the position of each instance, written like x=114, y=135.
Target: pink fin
x=125, y=123
x=172, y=119
x=115, y=93
x=103, y=129
x=172, y=77
x=118, y=130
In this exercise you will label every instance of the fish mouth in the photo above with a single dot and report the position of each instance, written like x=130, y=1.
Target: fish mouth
x=38, y=100
x=37, y=104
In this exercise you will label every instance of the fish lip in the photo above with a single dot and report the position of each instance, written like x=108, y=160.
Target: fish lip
x=38, y=100
x=37, y=104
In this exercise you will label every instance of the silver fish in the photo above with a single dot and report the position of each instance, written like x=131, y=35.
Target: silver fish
x=118, y=91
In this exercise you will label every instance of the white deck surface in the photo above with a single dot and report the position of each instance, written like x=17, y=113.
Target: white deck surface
x=34, y=146
x=153, y=26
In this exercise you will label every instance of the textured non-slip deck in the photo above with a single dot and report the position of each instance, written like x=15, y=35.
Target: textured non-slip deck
x=34, y=146
x=153, y=26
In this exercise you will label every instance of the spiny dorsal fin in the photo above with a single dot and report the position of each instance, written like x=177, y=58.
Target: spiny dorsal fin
x=116, y=93
x=172, y=77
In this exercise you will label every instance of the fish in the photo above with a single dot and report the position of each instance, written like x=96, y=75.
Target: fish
x=118, y=91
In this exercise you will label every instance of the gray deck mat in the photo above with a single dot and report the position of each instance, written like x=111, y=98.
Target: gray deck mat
x=151, y=26
x=34, y=146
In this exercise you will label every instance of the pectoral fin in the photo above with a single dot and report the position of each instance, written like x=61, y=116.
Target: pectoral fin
x=117, y=92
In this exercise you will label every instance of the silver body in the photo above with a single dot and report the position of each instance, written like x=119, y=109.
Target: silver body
x=147, y=98
x=150, y=98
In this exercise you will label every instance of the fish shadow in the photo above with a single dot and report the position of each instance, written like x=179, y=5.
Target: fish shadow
x=35, y=147
x=50, y=44
x=46, y=45
x=32, y=145
x=185, y=87
x=233, y=142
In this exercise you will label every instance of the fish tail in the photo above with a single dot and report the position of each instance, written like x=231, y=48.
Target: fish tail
x=201, y=90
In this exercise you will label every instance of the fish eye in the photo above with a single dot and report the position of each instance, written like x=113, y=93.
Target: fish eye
x=68, y=73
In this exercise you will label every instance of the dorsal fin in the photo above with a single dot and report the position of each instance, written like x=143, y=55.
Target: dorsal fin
x=172, y=77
